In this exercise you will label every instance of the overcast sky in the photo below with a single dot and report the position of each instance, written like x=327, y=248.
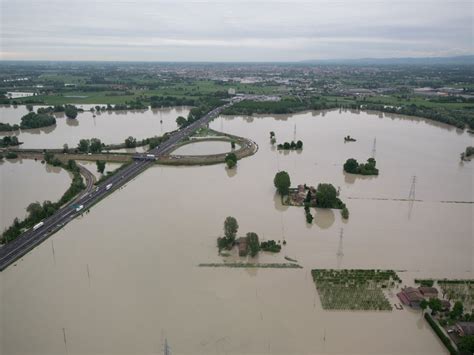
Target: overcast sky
x=234, y=30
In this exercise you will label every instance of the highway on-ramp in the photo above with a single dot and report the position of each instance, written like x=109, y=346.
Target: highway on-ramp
x=15, y=249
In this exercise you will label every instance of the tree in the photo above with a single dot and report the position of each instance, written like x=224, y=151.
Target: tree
x=466, y=344
x=181, y=121
x=100, y=166
x=29, y=107
x=230, y=228
x=231, y=160
x=423, y=304
x=34, y=210
x=435, y=305
x=130, y=142
x=65, y=148
x=70, y=111
x=272, y=134
x=282, y=182
x=326, y=196
x=96, y=145
x=286, y=146
x=84, y=145
x=350, y=166
x=253, y=243
x=345, y=213
x=458, y=310
x=299, y=145
x=232, y=144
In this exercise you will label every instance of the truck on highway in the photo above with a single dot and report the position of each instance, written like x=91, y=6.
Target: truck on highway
x=150, y=157
x=39, y=225
x=108, y=186
x=80, y=207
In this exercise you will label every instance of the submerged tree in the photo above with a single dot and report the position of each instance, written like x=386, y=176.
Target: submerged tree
x=282, y=182
x=230, y=228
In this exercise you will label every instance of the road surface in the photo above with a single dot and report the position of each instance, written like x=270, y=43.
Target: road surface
x=15, y=249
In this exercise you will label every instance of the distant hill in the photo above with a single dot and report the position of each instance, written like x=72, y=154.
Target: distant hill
x=459, y=60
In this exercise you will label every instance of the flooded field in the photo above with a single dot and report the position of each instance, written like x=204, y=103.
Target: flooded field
x=124, y=277
x=204, y=148
x=111, y=127
x=23, y=181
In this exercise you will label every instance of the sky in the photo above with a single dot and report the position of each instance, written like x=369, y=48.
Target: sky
x=233, y=30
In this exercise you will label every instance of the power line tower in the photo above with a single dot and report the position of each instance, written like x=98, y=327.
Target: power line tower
x=340, y=252
x=411, y=196
x=294, y=133
x=166, y=348
x=374, y=148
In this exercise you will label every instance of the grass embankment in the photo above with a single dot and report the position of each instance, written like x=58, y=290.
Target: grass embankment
x=253, y=265
x=441, y=335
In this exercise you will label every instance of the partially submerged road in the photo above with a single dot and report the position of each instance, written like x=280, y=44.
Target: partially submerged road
x=15, y=249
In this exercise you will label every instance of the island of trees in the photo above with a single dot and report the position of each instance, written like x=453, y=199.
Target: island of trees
x=467, y=154
x=8, y=141
x=291, y=145
x=247, y=245
x=352, y=166
x=37, y=120
x=323, y=196
x=231, y=160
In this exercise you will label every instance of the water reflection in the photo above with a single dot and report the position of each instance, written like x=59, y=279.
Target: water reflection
x=277, y=203
x=231, y=172
x=324, y=218
x=351, y=178
x=72, y=122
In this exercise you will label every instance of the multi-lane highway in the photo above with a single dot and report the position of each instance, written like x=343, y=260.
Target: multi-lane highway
x=15, y=249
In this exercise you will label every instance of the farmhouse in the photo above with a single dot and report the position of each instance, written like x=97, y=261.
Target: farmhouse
x=410, y=297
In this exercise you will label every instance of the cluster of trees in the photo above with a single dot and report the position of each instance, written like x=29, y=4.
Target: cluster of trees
x=130, y=142
x=168, y=101
x=37, y=120
x=352, y=166
x=9, y=141
x=100, y=166
x=37, y=211
x=11, y=155
x=270, y=245
x=282, y=182
x=93, y=145
x=345, y=213
x=70, y=111
x=467, y=153
x=231, y=160
x=291, y=145
x=51, y=109
x=6, y=127
x=327, y=197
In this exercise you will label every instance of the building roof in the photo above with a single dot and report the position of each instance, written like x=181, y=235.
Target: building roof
x=412, y=294
x=428, y=290
x=466, y=327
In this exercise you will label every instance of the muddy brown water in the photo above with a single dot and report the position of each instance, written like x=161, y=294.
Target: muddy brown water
x=23, y=181
x=204, y=148
x=111, y=127
x=124, y=277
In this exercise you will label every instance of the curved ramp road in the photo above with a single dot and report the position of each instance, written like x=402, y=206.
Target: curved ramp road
x=15, y=249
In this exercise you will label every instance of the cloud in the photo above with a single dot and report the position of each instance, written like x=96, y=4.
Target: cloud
x=233, y=30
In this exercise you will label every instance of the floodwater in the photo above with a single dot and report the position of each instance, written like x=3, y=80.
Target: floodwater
x=111, y=127
x=124, y=277
x=23, y=181
x=204, y=148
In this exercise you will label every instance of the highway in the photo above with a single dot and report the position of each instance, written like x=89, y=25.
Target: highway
x=17, y=248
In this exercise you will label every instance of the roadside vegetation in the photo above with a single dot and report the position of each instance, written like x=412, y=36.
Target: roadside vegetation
x=37, y=211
